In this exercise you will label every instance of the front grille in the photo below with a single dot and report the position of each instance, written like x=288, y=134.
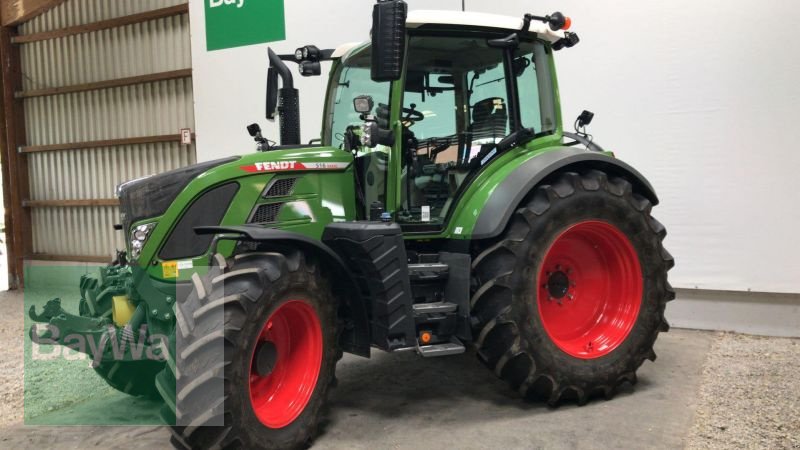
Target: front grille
x=280, y=188
x=208, y=209
x=266, y=213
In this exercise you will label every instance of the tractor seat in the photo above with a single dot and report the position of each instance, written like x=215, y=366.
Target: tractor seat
x=489, y=125
x=489, y=119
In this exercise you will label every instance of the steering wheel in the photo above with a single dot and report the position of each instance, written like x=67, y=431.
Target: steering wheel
x=412, y=115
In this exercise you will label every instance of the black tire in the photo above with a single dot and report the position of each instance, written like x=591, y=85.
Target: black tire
x=510, y=337
x=136, y=378
x=246, y=290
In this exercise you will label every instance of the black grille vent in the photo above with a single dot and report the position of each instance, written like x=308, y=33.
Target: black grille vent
x=281, y=188
x=266, y=213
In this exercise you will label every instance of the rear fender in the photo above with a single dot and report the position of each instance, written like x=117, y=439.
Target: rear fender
x=507, y=195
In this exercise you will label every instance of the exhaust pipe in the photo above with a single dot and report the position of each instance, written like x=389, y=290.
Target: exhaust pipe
x=288, y=102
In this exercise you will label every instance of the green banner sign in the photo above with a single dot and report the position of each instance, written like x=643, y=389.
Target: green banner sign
x=234, y=23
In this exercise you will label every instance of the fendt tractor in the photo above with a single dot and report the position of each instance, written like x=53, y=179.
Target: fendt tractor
x=442, y=207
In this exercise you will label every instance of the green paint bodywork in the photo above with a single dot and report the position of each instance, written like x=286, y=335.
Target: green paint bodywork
x=319, y=198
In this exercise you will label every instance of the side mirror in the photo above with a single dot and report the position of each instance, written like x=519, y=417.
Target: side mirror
x=272, y=93
x=585, y=119
x=363, y=104
x=388, y=39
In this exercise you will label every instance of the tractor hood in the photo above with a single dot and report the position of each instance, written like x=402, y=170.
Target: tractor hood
x=151, y=196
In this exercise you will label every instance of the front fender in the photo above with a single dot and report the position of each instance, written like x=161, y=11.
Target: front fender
x=508, y=194
x=357, y=340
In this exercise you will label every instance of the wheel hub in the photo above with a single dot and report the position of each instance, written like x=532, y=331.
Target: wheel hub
x=265, y=358
x=558, y=285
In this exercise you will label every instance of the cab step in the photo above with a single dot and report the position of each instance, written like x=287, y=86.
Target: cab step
x=434, y=308
x=454, y=347
x=425, y=272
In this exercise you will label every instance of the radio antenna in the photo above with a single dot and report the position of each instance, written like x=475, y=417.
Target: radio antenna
x=463, y=7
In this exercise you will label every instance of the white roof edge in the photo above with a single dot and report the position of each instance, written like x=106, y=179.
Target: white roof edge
x=345, y=49
x=418, y=18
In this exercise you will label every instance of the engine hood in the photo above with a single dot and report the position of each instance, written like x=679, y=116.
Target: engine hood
x=151, y=196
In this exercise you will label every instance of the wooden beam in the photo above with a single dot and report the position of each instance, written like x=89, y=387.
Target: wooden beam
x=14, y=12
x=70, y=203
x=103, y=143
x=18, y=235
x=107, y=84
x=103, y=24
x=69, y=258
x=5, y=164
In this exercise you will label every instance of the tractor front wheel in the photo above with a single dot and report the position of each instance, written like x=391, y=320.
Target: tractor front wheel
x=255, y=354
x=570, y=300
x=136, y=378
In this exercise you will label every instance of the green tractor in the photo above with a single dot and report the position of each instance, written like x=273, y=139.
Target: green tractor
x=443, y=207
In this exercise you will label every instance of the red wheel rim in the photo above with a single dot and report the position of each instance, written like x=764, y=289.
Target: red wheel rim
x=589, y=289
x=280, y=396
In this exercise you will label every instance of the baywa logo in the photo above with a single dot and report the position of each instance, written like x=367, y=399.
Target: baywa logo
x=218, y=3
x=110, y=344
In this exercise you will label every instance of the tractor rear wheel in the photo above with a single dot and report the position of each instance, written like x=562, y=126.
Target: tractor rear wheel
x=570, y=300
x=279, y=354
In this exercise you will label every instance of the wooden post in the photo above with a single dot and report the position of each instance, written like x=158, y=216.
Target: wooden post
x=18, y=218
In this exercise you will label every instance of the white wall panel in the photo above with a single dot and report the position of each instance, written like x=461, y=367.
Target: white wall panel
x=155, y=46
x=149, y=109
x=702, y=97
x=95, y=173
x=79, y=12
x=139, y=110
x=76, y=231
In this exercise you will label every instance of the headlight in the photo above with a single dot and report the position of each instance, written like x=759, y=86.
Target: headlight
x=139, y=236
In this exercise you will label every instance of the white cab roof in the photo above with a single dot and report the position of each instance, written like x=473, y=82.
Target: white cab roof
x=419, y=18
x=473, y=19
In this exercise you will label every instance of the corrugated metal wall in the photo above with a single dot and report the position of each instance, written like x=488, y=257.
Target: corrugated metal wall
x=150, y=109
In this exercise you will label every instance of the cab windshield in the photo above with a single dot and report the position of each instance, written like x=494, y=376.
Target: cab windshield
x=352, y=79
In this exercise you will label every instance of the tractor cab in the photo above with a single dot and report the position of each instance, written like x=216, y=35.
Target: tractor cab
x=461, y=95
x=463, y=89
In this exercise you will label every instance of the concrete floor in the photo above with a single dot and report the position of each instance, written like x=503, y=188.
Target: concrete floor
x=402, y=401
